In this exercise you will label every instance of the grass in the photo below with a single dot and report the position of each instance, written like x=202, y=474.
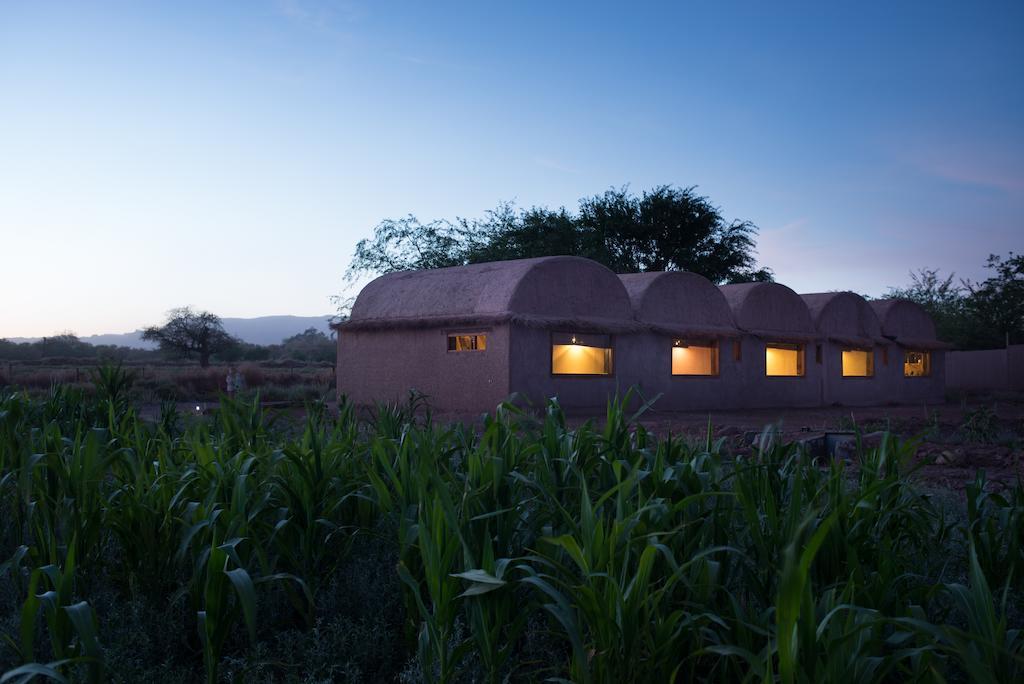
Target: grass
x=289, y=381
x=391, y=547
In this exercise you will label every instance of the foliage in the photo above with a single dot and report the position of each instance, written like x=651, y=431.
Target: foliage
x=985, y=315
x=980, y=424
x=998, y=301
x=518, y=548
x=666, y=228
x=187, y=332
x=65, y=346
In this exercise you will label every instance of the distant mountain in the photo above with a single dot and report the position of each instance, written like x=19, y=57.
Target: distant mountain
x=261, y=330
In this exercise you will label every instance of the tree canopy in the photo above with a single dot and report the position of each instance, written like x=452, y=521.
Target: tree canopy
x=973, y=315
x=666, y=228
x=189, y=333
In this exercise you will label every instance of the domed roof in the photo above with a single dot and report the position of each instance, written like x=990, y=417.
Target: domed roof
x=907, y=323
x=679, y=303
x=844, y=317
x=546, y=291
x=769, y=310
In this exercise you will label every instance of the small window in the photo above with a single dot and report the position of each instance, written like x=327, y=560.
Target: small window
x=817, y=354
x=462, y=343
x=885, y=355
x=579, y=354
x=694, y=358
x=917, y=364
x=858, y=363
x=783, y=360
x=737, y=351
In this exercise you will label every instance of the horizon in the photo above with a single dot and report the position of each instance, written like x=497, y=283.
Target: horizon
x=231, y=156
x=139, y=329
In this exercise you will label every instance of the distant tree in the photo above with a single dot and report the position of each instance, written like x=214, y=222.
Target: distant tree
x=998, y=302
x=944, y=300
x=972, y=315
x=506, y=233
x=309, y=345
x=64, y=345
x=407, y=244
x=667, y=228
x=189, y=333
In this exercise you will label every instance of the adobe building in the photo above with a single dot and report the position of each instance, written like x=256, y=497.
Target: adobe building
x=683, y=351
x=918, y=371
x=853, y=355
x=469, y=337
x=772, y=354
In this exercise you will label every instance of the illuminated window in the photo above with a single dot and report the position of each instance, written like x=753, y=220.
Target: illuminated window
x=737, y=351
x=784, y=360
x=461, y=343
x=858, y=363
x=690, y=358
x=581, y=354
x=917, y=364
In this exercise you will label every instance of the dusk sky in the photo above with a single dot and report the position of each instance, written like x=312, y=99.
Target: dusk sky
x=230, y=155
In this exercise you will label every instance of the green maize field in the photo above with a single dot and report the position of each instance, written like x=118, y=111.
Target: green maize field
x=388, y=547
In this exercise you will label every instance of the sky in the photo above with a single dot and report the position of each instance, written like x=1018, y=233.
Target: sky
x=229, y=155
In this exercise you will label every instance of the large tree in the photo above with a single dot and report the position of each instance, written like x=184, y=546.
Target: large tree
x=667, y=228
x=189, y=333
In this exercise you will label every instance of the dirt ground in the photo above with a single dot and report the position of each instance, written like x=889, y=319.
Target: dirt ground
x=956, y=439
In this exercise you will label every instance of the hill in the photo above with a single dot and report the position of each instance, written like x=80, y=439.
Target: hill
x=260, y=330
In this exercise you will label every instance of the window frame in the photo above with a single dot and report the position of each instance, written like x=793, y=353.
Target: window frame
x=714, y=345
x=927, y=364
x=451, y=335
x=871, y=356
x=799, y=347
x=551, y=356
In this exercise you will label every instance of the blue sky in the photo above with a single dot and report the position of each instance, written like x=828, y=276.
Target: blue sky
x=229, y=155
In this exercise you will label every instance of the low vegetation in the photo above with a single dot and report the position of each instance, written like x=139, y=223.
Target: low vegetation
x=391, y=547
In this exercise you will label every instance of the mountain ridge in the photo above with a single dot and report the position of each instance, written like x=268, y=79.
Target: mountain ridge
x=261, y=330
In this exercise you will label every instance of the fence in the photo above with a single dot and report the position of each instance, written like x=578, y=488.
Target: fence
x=990, y=369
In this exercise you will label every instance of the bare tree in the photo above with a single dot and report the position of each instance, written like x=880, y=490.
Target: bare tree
x=189, y=333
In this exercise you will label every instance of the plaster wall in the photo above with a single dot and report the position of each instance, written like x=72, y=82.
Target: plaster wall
x=645, y=360
x=897, y=388
x=852, y=391
x=383, y=365
x=530, y=373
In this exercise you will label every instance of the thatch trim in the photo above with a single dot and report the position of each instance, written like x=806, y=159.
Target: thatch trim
x=423, y=322
x=783, y=335
x=581, y=324
x=855, y=341
x=692, y=331
x=921, y=343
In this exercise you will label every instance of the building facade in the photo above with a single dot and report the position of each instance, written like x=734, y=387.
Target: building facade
x=469, y=337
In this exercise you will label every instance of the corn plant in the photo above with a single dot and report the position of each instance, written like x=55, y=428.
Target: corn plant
x=995, y=528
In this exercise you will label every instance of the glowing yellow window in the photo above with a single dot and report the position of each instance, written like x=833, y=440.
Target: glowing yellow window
x=783, y=360
x=917, y=364
x=858, y=363
x=581, y=354
x=461, y=343
x=694, y=358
